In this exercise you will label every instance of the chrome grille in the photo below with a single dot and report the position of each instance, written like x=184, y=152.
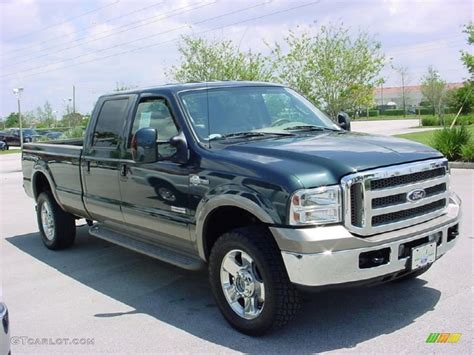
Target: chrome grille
x=377, y=201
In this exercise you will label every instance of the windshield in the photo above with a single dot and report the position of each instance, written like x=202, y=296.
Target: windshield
x=235, y=111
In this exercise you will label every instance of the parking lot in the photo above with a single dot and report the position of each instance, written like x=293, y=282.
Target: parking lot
x=124, y=302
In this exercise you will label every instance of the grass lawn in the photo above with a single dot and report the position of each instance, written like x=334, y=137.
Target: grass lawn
x=426, y=136
x=10, y=151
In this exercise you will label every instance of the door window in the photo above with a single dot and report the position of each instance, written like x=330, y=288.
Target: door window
x=108, y=129
x=155, y=113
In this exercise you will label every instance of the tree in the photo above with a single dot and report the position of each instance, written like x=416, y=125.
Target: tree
x=330, y=68
x=46, y=114
x=12, y=120
x=467, y=57
x=462, y=98
x=433, y=89
x=203, y=60
x=72, y=119
x=404, y=80
x=119, y=86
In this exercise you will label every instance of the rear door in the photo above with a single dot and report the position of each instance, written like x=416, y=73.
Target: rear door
x=101, y=160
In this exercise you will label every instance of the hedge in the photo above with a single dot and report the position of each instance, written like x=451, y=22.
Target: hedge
x=394, y=112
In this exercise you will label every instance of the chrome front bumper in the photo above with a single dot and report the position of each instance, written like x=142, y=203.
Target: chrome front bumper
x=330, y=255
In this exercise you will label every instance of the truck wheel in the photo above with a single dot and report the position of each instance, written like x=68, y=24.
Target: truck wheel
x=249, y=281
x=413, y=275
x=57, y=227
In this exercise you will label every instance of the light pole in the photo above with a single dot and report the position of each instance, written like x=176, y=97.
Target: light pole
x=17, y=92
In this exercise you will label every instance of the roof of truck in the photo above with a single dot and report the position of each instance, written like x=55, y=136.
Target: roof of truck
x=176, y=87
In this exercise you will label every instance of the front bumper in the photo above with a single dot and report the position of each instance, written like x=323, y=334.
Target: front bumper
x=331, y=255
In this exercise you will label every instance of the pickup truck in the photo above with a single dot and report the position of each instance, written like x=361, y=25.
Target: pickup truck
x=252, y=181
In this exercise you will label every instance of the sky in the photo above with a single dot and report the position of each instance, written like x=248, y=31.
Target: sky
x=49, y=46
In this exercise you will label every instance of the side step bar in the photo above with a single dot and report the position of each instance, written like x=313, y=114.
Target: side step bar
x=152, y=250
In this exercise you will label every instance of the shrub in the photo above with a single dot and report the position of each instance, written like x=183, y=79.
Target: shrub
x=449, y=110
x=450, y=140
x=461, y=120
x=425, y=110
x=393, y=112
x=374, y=113
x=467, y=152
x=76, y=132
x=430, y=121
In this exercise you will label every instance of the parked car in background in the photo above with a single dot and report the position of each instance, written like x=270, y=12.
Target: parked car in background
x=12, y=136
x=54, y=135
x=4, y=330
x=3, y=146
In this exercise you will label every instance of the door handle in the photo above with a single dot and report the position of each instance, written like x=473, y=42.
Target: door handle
x=123, y=170
x=88, y=166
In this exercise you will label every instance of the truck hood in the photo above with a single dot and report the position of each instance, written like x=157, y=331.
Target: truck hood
x=324, y=158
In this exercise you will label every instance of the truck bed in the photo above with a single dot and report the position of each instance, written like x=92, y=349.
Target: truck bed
x=61, y=160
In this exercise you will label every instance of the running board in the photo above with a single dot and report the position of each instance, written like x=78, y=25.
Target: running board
x=152, y=250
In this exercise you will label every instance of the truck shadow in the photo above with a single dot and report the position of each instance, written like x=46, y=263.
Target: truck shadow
x=330, y=320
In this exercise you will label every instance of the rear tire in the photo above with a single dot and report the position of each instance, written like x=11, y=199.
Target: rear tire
x=258, y=294
x=57, y=227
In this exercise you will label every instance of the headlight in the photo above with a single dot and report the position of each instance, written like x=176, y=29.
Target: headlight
x=316, y=206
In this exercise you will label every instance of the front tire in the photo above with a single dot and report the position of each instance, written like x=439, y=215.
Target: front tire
x=250, y=283
x=57, y=227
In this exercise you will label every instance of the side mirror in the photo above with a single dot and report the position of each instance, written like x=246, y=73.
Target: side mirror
x=182, y=152
x=344, y=121
x=144, y=146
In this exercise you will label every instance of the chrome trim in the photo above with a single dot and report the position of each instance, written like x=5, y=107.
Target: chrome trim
x=408, y=205
x=366, y=177
x=338, y=254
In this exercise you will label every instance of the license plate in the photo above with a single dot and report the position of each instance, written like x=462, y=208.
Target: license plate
x=423, y=255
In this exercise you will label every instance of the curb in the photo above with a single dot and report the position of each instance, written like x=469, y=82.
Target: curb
x=460, y=165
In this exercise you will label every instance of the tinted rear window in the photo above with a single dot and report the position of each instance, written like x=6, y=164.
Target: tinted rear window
x=108, y=129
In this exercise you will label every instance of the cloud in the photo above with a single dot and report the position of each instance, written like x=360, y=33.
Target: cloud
x=19, y=18
x=415, y=33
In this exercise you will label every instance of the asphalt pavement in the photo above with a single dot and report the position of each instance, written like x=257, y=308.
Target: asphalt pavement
x=112, y=300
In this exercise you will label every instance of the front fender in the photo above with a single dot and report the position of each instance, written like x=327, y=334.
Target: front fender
x=227, y=196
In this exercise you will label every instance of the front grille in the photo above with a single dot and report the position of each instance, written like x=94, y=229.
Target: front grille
x=376, y=201
x=405, y=214
x=356, y=205
x=389, y=200
x=402, y=198
x=407, y=179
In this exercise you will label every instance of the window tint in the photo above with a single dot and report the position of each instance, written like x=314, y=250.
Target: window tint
x=108, y=129
x=155, y=113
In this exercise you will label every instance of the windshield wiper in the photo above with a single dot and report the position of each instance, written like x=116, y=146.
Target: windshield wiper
x=246, y=135
x=309, y=128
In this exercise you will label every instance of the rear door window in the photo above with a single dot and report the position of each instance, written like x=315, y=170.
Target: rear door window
x=109, y=127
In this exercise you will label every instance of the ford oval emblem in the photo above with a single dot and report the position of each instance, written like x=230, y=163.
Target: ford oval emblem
x=416, y=195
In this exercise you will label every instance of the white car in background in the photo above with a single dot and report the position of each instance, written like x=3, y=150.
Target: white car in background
x=4, y=330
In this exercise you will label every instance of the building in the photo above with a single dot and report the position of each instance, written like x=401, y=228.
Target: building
x=413, y=95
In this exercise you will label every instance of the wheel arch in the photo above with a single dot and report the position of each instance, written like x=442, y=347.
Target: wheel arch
x=223, y=213
x=41, y=182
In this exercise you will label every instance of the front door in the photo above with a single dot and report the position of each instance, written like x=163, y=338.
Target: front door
x=155, y=195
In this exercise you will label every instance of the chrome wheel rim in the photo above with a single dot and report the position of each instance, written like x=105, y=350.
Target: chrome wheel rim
x=47, y=220
x=242, y=284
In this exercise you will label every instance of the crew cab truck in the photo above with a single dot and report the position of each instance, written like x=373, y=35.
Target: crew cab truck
x=253, y=181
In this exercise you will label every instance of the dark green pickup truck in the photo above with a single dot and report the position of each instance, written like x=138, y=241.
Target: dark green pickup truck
x=252, y=180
